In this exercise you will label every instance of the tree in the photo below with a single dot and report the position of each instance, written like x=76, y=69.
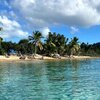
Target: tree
x=90, y=49
x=73, y=46
x=23, y=46
x=49, y=45
x=61, y=42
x=36, y=40
x=1, y=39
x=56, y=43
x=1, y=50
x=7, y=46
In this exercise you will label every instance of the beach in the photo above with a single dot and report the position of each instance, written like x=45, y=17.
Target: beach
x=40, y=57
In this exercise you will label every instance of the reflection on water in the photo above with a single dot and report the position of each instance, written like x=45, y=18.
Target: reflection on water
x=53, y=80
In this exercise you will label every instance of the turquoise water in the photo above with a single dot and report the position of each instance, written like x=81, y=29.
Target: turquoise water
x=53, y=80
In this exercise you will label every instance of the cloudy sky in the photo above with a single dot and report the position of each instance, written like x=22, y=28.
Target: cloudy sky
x=79, y=18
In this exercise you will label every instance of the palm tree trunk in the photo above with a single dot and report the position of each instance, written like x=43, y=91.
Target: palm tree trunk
x=0, y=45
x=35, y=49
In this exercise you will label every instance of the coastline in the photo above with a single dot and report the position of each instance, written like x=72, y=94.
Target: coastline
x=39, y=57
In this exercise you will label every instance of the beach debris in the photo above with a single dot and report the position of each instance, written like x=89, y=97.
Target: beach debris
x=31, y=57
x=22, y=57
x=56, y=56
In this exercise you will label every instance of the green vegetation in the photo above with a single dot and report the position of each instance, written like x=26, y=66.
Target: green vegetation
x=53, y=44
x=35, y=39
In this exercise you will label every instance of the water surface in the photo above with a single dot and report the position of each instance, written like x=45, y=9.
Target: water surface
x=50, y=80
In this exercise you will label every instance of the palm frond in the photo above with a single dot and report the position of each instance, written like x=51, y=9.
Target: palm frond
x=53, y=44
x=40, y=45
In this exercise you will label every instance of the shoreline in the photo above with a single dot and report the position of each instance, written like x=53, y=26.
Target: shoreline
x=39, y=57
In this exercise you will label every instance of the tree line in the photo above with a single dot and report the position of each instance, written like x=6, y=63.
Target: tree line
x=53, y=44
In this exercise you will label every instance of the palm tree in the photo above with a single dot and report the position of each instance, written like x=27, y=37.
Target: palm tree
x=1, y=39
x=61, y=43
x=50, y=45
x=74, y=46
x=36, y=40
x=56, y=43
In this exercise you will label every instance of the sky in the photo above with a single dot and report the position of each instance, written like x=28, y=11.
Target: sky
x=81, y=18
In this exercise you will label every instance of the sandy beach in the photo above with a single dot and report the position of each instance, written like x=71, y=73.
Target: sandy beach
x=39, y=57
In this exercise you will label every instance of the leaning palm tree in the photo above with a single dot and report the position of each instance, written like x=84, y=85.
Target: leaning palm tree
x=36, y=40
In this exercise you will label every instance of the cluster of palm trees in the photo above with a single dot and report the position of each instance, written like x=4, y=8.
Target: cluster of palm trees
x=54, y=43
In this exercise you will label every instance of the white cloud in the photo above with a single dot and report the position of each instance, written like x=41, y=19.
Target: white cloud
x=11, y=29
x=73, y=30
x=44, y=13
x=45, y=31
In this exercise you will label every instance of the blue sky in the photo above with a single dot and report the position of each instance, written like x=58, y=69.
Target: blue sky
x=87, y=35
x=79, y=18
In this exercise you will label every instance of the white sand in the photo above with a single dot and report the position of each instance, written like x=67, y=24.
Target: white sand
x=39, y=57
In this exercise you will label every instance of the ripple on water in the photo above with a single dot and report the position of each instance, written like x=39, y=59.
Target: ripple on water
x=59, y=80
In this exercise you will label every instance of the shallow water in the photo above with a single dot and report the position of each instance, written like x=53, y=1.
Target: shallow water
x=50, y=80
